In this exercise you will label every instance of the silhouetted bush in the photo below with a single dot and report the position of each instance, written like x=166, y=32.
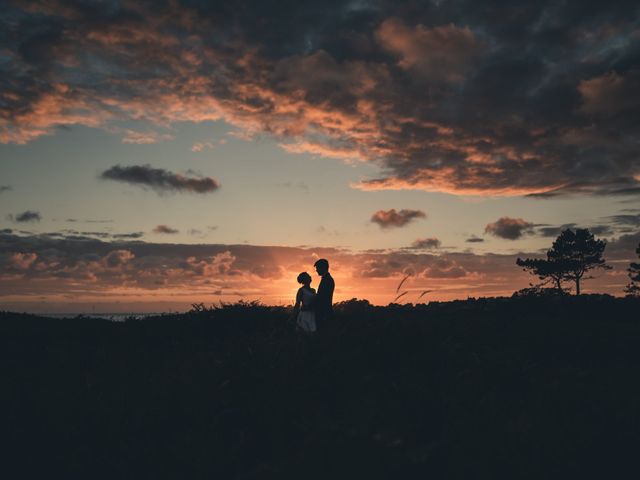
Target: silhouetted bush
x=352, y=306
x=538, y=291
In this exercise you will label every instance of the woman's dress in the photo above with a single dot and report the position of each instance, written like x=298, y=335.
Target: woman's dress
x=306, y=320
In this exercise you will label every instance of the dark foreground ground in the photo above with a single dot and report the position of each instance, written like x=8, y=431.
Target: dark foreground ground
x=514, y=388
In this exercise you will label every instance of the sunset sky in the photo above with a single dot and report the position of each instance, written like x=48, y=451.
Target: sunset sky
x=157, y=154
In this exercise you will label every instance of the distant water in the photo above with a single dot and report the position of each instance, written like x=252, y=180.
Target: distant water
x=116, y=317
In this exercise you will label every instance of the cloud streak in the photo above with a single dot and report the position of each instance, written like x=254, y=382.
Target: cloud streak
x=474, y=239
x=144, y=138
x=160, y=180
x=27, y=216
x=554, y=231
x=165, y=229
x=79, y=235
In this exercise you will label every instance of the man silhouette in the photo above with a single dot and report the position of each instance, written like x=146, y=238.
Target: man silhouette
x=324, y=297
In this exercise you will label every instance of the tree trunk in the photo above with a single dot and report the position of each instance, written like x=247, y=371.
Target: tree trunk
x=578, y=286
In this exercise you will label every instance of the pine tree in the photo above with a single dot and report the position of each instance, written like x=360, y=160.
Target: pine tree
x=633, y=288
x=572, y=255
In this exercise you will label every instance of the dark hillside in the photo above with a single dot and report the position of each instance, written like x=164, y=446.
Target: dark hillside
x=517, y=388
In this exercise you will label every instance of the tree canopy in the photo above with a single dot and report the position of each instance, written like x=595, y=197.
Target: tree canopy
x=633, y=288
x=547, y=271
x=572, y=255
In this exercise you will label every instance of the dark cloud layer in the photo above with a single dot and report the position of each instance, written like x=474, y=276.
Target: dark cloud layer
x=469, y=96
x=127, y=236
x=474, y=239
x=554, y=231
x=26, y=217
x=71, y=234
x=394, y=219
x=509, y=228
x=160, y=180
x=5, y=188
x=629, y=220
x=74, y=220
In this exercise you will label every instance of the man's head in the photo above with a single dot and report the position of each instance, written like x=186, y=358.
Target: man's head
x=322, y=266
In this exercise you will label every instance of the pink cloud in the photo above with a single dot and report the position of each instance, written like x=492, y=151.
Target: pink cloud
x=145, y=138
x=23, y=261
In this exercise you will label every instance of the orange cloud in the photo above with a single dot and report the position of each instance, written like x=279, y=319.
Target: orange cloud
x=23, y=261
x=393, y=219
x=63, y=105
x=323, y=150
x=439, y=107
x=444, y=181
x=144, y=138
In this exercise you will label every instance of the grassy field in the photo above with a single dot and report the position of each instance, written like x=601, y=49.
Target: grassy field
x=495, y=388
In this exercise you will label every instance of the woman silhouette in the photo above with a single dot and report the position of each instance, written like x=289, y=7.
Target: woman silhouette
x=303, y=309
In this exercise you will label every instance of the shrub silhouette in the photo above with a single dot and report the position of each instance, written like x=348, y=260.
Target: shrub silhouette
x=353, y=306
x=509, y=387
x=538, y=291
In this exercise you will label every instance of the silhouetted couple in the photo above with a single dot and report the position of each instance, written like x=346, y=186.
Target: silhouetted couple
x=313, y=310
